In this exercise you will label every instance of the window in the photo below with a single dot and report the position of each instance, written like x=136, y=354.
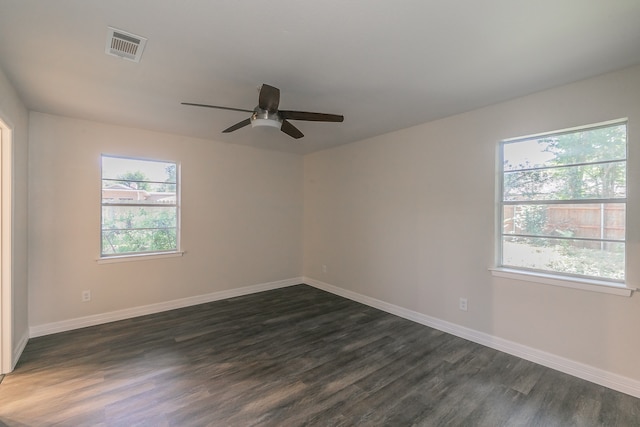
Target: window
x=563, y=202
x=139, y=206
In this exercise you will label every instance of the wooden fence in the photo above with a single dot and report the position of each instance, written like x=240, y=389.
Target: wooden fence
x=594, y=221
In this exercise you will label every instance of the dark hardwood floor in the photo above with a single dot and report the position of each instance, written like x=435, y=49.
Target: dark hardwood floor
x=290, y=357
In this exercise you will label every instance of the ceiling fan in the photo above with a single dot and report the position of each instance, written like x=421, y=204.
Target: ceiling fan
x=267, y=114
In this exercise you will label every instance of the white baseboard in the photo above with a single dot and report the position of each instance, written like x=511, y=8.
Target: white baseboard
x=568, y=366
x=17, y=351
x=97, y=319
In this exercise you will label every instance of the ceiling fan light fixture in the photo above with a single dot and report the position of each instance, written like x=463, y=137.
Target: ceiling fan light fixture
x=266, y=122
x=263, y=118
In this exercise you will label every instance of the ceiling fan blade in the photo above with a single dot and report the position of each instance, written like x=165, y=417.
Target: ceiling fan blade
x=291, y=130
x=237, y=126
x=218, y=107
x=269, y=98
x=312, y=117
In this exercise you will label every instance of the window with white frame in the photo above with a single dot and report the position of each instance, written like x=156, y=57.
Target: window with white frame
x=140, y=210
x=563, y=202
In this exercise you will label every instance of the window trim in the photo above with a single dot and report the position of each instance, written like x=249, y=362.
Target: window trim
x=139, y=256
x=583, y=283
x=603, y=285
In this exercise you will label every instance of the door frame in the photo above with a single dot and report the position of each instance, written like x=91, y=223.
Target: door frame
x=6, y=266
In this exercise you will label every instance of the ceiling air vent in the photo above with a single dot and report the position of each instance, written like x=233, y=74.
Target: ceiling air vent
x=124, y=45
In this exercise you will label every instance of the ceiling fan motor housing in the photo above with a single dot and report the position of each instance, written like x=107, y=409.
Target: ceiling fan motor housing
x=262, y=117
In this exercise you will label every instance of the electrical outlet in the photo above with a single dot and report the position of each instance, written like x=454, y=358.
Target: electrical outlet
x=324, y=268
x=463, y=304
x=86, y=296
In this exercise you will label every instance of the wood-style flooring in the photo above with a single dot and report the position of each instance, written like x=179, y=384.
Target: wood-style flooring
x=295, y=356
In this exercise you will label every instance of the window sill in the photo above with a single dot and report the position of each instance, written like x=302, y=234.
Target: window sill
x=601, y=286
x=138, y=257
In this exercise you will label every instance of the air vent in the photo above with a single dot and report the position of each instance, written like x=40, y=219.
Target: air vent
x=124, y=45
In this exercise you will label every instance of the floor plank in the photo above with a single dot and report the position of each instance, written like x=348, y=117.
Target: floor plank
x=295, y=356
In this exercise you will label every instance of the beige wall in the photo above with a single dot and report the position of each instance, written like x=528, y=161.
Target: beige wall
x=409, y=218
x=241, y=219
x=15, y=115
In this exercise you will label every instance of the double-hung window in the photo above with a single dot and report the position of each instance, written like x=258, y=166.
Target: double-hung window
x=563, y=203
x=140, y=210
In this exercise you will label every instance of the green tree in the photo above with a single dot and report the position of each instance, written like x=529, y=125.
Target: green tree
x=604, y=180
x=170, y=181
x=134, y=180
x=139, y=230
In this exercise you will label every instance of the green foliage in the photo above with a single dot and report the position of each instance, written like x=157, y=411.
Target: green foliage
x=589, y=262
x=139, y=230
x=134, y=180
x=525, y=185
x=531, y=219
x=593, y=145
x=170, y=182
x=578, y=165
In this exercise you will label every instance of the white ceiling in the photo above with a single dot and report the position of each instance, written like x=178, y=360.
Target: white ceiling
x=384, y=65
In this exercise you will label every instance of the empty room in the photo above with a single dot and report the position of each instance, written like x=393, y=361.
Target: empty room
x=294, y=213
